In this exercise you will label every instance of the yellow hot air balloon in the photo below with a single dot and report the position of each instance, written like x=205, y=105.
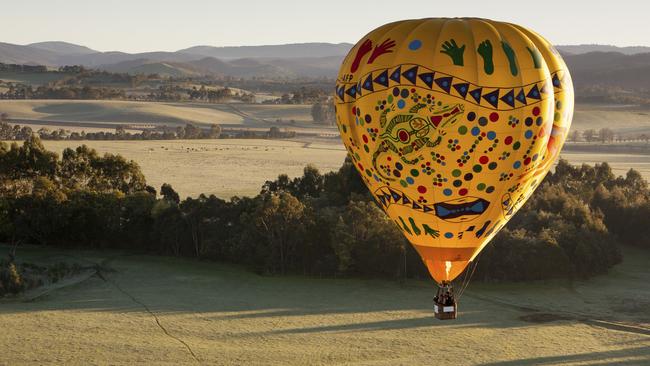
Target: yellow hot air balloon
x=452, y=124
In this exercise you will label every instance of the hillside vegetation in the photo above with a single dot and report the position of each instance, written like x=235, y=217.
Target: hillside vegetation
x=315, y=224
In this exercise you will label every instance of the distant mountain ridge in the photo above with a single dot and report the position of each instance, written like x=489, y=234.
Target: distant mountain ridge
x=57, y=53
x=63, y=53
x=587, y=48
x=279, y=61
x=589, y=64
x=610, y=69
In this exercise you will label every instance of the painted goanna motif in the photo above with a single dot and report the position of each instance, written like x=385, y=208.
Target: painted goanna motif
x=406, y=134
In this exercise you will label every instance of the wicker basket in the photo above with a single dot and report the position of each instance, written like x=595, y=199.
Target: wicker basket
x=444, y=312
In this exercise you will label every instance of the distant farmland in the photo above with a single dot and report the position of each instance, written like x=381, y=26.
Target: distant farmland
x=240, y=167
x=221, y=167
x=626, y=121
x=116, y=112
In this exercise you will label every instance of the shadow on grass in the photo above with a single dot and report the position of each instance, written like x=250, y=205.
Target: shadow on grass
x=395, y=324
x=224, y=293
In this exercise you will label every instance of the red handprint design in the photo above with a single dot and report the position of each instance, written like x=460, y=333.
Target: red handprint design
x=366, y=47
x=384, y=47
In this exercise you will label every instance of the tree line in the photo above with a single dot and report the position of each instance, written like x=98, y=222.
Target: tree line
x=23, y=68
x=304, y=95
x=163, y=93
x=79, y=75
x=21, y=91
x=176, y=93
x=316, y=224
x=608, y=94
x=17, y=132
x=604, y=135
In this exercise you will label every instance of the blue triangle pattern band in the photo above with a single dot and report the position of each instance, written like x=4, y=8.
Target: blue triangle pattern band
x=410, y=75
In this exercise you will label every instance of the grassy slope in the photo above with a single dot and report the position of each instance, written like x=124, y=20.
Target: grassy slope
x=117, y=112
x=229, y=316
x=298, y=113
x=626, y=121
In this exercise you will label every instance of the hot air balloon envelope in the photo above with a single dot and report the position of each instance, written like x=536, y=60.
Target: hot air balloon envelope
x=452, y=124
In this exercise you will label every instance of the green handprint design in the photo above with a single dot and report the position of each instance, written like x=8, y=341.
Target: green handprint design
x=451, y=49
x=510, y=53
x=416, y=229
x=406, y=228
x=429, y=231
x=485, y=50
x=537, y=57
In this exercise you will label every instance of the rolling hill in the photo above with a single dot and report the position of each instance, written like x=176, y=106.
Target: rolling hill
x=204, y=66
x=147, y=66
x=610, y=69
x=296, y=50
x=26, y=55
x=100, y=59
x=62, y=48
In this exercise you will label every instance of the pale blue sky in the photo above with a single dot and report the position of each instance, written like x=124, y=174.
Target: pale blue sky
x=148, y=25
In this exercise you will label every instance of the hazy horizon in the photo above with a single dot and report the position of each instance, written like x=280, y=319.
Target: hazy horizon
x=146, y=26
x=267, y=44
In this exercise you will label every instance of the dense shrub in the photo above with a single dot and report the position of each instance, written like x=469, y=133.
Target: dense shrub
x=10, y=280
x=15, y=278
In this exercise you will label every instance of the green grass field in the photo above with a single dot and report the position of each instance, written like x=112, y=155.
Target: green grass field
x=158, y=310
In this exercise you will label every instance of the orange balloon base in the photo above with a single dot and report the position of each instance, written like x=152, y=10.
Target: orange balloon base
x=445, y=264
